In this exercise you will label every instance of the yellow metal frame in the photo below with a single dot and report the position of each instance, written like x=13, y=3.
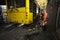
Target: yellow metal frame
x=20, y=15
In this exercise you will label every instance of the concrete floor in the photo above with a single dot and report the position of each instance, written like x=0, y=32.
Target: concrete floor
x=16, y=33
x=20, y=34
x=12, y=34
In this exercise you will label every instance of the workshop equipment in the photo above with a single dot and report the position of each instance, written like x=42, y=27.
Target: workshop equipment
x=24, y=11
x=4, y=14
x=20, y=11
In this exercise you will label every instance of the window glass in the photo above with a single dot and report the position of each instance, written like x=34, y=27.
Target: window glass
x=15, y=3
x=20, y=3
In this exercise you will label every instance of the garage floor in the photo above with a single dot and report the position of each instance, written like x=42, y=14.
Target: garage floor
x=16, y=33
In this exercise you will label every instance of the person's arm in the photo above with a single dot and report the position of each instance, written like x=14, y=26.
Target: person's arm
x=45, y=16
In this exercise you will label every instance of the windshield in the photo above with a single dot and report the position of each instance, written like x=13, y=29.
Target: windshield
x=15, y=3
x=20, y=3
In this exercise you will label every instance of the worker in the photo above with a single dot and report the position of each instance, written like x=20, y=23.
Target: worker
x=43, y=14
x=1, y=17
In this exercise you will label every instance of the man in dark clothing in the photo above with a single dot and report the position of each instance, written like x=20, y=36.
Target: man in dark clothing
x=1, y=18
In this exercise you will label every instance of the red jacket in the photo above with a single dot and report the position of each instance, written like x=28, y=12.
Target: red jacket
x=44, y=17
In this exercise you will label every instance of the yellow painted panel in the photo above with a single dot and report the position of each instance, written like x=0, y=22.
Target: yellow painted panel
x=21, y=15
